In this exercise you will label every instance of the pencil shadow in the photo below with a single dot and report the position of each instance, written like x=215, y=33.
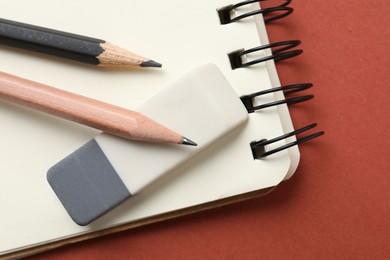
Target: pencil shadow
x=131, y=69
x=46, y=121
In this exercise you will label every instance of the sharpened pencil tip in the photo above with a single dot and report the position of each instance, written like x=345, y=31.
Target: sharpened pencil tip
x=187, y=141
x=151, y=63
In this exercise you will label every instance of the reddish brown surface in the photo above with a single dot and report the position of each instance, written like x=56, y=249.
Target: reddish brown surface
x=337, y=206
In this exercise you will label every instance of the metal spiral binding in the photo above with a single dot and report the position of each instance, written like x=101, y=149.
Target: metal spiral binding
x=258, y=147
x=247, y=100
x=279, y=52
x=270, y=13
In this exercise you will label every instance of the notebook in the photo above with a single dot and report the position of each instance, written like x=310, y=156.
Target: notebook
x=182, y=36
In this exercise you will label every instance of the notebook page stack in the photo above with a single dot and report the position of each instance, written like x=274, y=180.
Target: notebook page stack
x=182, y=36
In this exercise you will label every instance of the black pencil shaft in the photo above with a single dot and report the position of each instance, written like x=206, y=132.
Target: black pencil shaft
x=49, y=41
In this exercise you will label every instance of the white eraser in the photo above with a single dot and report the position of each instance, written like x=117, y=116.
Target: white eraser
x=107, y=170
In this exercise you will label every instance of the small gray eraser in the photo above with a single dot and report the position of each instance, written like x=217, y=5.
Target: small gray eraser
x=86, y=184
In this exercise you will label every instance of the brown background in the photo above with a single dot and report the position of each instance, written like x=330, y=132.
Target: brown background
x=337, y=205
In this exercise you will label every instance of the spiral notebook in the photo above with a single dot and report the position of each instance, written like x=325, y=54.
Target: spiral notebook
x=182, y=36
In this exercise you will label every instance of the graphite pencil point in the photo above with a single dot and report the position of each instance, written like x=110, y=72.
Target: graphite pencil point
x=187, y=141
x=151, y=63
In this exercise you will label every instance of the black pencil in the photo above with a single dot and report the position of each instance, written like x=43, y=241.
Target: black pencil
x=68, y=45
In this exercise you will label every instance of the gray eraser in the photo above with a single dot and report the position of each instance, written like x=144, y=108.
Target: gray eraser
x=87, y=184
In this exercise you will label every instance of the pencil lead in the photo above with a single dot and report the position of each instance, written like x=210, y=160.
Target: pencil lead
x=151, y=63
x=187, y=141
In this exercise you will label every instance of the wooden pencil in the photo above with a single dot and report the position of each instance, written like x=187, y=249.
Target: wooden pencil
x=106, y=117
x=67, y=45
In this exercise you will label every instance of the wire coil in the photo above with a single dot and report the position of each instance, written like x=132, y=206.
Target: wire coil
x=279, y=52
x=258, y=147
x=270, y=14
x=247, y=100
